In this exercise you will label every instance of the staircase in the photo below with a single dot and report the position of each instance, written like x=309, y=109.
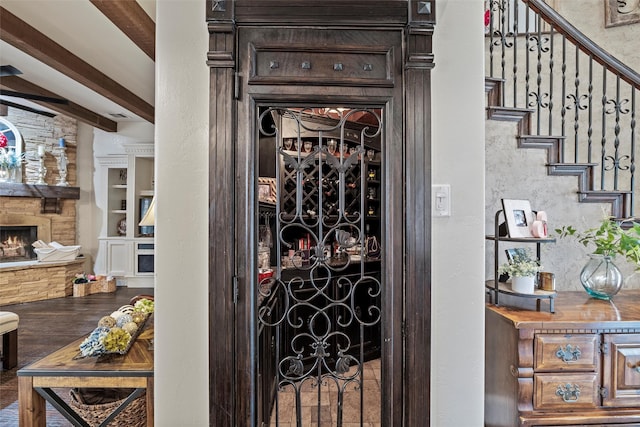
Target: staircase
x=567, y=96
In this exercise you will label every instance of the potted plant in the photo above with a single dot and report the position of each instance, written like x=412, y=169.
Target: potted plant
x=600, y=277
x=522, y=270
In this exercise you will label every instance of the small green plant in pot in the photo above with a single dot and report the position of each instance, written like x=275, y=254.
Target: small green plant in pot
x=522, y=270
x=600, y=277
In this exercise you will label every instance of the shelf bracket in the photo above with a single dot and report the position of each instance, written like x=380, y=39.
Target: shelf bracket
x=50, y=205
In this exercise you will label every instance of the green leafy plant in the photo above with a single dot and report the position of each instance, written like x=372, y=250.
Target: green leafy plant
x=610, y=238
x=522, y=265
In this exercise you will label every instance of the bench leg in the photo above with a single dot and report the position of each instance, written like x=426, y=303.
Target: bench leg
x=10, y=350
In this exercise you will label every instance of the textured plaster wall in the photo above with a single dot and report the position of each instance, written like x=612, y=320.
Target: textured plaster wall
x=588, y=17
x=517, y=173
x=520, y=173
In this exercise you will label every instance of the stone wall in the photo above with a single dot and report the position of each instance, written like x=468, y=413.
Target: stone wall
x=41, y=130
x=38, y=282
x=63, y=225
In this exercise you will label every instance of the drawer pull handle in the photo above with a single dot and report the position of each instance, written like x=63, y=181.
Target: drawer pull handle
x=569, y=393
x=569, y=353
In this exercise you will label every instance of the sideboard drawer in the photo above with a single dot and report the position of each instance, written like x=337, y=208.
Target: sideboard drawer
x=566, y=391
x=558, y=353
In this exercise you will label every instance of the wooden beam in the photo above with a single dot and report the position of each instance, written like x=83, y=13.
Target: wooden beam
x=29, y=40
x=132, y=20
x=70, y=109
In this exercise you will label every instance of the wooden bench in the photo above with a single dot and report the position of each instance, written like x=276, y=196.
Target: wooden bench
x=9, y=332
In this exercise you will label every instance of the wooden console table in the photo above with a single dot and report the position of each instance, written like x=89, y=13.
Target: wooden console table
x=60, y=369
x=577, y=367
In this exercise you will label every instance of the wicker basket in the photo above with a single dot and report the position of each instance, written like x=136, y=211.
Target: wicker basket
x=133, y=415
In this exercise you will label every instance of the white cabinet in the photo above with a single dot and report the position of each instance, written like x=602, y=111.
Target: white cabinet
x=124, y=189
x=118, y=257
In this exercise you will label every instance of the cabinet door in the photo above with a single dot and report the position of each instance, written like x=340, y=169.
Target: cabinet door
x=622, y=370
x=119, y=258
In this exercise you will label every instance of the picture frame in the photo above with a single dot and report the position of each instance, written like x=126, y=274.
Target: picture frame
x=617, y=13
x=516, y=253
x=267, y=190
x=518, y=216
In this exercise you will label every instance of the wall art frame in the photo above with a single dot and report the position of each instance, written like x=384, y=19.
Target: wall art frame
x=621, y=13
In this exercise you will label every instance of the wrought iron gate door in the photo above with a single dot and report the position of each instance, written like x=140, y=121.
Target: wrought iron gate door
x=320, y=256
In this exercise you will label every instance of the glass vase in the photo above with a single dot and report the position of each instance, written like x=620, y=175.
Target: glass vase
x=13, y=175
x=4, y=173
x=600, y=277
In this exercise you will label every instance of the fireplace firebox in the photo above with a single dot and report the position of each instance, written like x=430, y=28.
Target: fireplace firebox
x=15, y=242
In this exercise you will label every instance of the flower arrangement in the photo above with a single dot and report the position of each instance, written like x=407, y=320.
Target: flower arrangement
x=8, y=157
x=609, y=238
x=521, y=265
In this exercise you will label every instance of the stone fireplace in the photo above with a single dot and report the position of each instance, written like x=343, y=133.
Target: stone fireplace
x=31, y=280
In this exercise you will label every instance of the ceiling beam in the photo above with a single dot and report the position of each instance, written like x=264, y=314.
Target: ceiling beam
x=29, y=40
x=70, y=109
x=132, y=20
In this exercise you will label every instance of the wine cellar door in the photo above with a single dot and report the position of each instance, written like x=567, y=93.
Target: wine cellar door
x=319, y=258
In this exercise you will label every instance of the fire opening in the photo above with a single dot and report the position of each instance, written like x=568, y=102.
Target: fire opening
x=15, y=243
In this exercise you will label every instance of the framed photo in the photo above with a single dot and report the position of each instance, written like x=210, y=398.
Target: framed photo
x=267, y=190
x=516, y=253
x=518, y=216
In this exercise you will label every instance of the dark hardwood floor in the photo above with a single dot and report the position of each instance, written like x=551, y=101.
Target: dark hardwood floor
x=45, y=326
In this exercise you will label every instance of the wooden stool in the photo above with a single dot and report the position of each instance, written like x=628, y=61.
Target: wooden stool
x=9, y=332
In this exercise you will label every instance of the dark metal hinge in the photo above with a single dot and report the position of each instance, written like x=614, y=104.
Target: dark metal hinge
x=236, y=86
x=403, y=327
x=604, y=348
x=235, y=290
x=604, y=392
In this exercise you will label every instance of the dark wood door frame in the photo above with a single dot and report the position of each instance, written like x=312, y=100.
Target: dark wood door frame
x=230, y=373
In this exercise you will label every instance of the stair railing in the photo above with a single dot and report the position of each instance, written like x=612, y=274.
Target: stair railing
x=571, y=89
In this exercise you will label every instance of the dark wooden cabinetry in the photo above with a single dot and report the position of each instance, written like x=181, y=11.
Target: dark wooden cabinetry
x=577, y=367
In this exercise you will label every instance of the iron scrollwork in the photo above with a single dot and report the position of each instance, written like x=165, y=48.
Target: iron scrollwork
x=328, y=296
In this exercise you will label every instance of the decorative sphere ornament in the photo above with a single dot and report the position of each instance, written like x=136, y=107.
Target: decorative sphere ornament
x=107, y=321
x=122, y=320
x=130, y=327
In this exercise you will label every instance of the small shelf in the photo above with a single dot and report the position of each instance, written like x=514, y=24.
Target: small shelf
x=119, y=211
x=146, y=193
x=495, y=287
x=121, y=186
x=521, y=239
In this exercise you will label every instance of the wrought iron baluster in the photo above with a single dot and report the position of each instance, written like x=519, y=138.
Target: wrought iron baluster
x=632, y=167
x=616, y=132
x=491, y=34
x=576, y=112
x=590, y=124
x=503, y=44
x=550, y=119
x=515, y=54
x=527, y=59
x=539, y=78
x=603, y=141
x=563, y=111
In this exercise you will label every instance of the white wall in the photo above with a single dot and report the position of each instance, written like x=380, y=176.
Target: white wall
x=182, y=89
x=457, y=388
x=181, y=151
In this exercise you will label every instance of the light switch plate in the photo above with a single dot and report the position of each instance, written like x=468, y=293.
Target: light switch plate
x=441, y=200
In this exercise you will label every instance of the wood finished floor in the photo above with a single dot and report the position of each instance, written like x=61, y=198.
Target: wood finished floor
x=45, y=326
